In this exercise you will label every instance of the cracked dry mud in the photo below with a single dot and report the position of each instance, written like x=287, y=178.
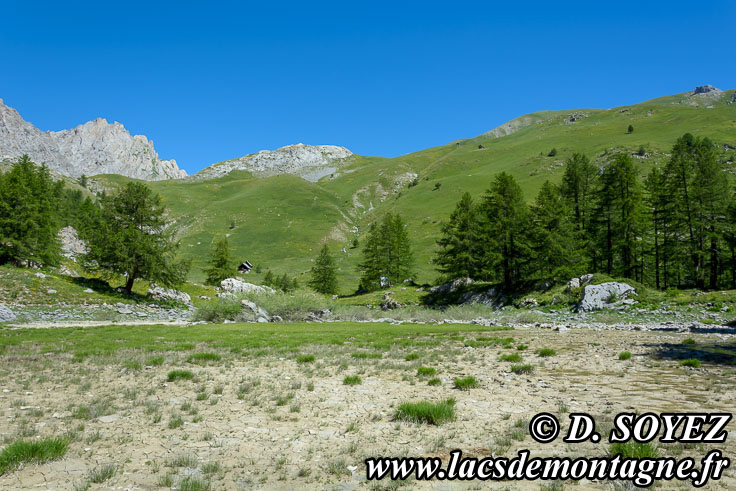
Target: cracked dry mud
x=278, y=424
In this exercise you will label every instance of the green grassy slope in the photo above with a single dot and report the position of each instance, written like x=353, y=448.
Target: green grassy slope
x=281, y=221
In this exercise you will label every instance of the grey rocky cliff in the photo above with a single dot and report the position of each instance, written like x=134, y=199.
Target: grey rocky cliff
x=96, y=147
x=311, y=162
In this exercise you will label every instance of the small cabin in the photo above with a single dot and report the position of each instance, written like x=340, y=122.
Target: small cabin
x=245, y=267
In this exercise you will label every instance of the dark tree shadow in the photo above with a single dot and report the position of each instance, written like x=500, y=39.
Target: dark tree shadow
x=715, y=353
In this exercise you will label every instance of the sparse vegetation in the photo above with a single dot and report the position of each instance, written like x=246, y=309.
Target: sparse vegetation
x=434, y=413
x=466, y=383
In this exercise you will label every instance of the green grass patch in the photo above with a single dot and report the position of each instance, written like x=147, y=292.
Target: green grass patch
x=513, y=357
x=691, y=362
x=352, y=380
x=434, y=413
x=524, y=369
x=364, y=356
x=624, y=355
x=411, y=357
x=521, y=347
x=466, y=383
x=35, y=452
x=203, y=357
x=545, y=352
x=426, y=371
x=634, y=450
x=434, y=381
x=305, y=359
x=155, y=361
x=688, y=341
x=175, y=375
x=102, y=473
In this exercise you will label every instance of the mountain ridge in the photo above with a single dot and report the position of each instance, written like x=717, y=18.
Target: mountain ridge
x=93, y=148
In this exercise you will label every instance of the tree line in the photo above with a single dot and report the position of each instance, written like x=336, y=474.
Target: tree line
x=126, y=232
x=676, y=227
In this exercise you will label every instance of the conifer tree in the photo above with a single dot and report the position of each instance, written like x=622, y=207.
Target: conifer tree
x=507, y=226
x=131, y=238
x=220, y=265
x=386, y=253
x=30, y=204
x=268, y=279
x=553, y=240
x=460, y=253
x=324, y=273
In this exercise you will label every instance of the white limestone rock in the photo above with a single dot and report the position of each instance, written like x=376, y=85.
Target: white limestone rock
x=95, y=147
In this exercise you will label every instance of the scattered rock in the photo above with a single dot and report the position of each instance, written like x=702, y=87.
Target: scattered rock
x=529, y=303
x=234, y=285
x=578, y=282
x=51, y=291
x=71, y=245
x=89, y=290
x=606, y=295
x=40, y=276
x=168, y=294
x=276, y=318
x=254, y=309
x=389, y=303
x=125, y=310
x=452, y=286
x=112, y=418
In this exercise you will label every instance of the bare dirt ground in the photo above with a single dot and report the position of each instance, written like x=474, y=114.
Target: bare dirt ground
x=262, y=420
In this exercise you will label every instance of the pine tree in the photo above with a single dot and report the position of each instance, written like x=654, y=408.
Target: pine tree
x=324, y=273
x=386, y=253
x=460, y=253
x=268, y=279
x=507, y=225
x=132, y=239
x=220, y=263
x=578, y=183
x=553, y=237
x=30, y=206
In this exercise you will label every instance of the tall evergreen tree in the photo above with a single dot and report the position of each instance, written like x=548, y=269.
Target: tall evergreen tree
x=220, y=265
x=324, y=273
x=132, y=239
x=578, y=183
x=29, y=214
x=460, y=253
x=507, y=225
x=553, y=236
x=386, y=253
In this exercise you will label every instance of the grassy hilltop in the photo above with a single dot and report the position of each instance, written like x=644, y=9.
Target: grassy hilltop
x=281, y=222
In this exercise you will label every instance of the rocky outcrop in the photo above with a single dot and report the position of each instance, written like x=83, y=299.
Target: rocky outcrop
x=389, y=303
x=605, y=296
x=71, y=245
x=705, y=89
x=168, y=295
x=96, y=147
x=578, y=282
x=6, y=315
x=311, y=162
x=234, y=285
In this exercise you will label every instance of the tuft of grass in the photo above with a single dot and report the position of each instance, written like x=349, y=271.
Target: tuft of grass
x=37, y=452
x=691, y=362
x=103, y=473
x=211, y=467
x=411, y=357
x=510, y=357
x=184, y=460
x=305, y=359
x=426, y=371
x=545, y=352
x=434, y=413
x=203, y=357
x=155, y=361
x=624, y=355
x=521, y=347
x=466, y=383
x=180, y=375
x=194, y=483
x=132, y=365
x=363, y=356
x=634, y=450
x=434, y=381
x=688, y=341
x=175, y=422
x=352, y=380
x=524, y=369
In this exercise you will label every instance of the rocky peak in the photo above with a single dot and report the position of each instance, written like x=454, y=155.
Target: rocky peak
x=704, y=89
x=95, y=147
x=310, y=162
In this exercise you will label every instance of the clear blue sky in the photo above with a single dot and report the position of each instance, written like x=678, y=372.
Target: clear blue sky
x=208, y=81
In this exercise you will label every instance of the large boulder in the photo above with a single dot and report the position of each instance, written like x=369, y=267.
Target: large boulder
x=6, y=315
x=168, y=294
x=605, y=295
x=234, y=285
x=255, y=310
x=452, y=286
x=578, y=282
